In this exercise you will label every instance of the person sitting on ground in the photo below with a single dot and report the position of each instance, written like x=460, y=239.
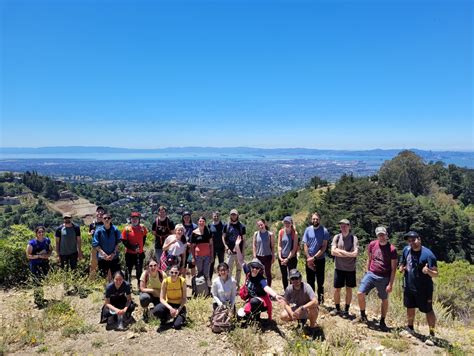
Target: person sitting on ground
x=38, y=252
x=118, y=304
x=258, y=292
x=174, y=251
x=150, y=286
x=300, y=303
x=173, y=298
x=223, y=288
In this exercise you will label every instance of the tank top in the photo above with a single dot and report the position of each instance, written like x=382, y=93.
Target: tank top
x=264, y=247
x=286, y=243
x=174, y=290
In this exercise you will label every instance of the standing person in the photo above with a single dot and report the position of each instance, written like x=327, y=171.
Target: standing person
x=259, y=292
x=118, y=304
x=202, y=248
x=232, y=230
x=173, y=299
x=315, y=240
x=216, y=227
x=419, y=267
x=174, y=251
x=287, y=249
x=68, y=243
x=150, y=286
x=189, y=227
x=300, y=302
x=38, y=252
x=345, y=249
x=134, y=237
x=161, y=228
x=97, y=223
x=264, y=248
x=381, y=268
x=223, y=288
x=106, y=243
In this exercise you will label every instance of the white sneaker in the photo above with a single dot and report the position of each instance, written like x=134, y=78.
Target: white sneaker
x=241, y=312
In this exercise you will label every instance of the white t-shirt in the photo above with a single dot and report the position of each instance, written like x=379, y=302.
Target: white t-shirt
x=177, y=248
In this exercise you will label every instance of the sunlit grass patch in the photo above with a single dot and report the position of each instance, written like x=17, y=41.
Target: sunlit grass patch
x=199, y=310
x=248, y=340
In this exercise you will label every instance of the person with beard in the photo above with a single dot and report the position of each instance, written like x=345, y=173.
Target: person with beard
x=161, y=228
x=216, y=227
x=315, y=240
x=230, y=233
x=97, y=223
x=134, y=237
x=68, y=243
x=106, y=244
x=419, y=267
x=189, y=227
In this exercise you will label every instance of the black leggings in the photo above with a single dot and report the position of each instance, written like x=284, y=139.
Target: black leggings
x=219, y=254
x=292, y=263
x=134, y=260
x=163, y=313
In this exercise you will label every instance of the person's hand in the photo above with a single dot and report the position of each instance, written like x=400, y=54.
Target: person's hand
x=297, y=312
x=121, y=312
x=426, y=269
x=280, y=299
x=238, y=241
x=402, y=268
x=389, y=288
x=174, y=312
x=310, y=261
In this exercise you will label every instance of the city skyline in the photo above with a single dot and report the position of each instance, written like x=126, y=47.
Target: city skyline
x=315, y=74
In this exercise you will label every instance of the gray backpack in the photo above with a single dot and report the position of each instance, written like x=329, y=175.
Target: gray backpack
x=199, y=286
x=221, y=320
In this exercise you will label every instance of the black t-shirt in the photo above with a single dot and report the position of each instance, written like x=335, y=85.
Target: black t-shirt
x=216, y=233
x=95, y=224
x=231, y=232
x=415, y=279
x=163, y=230
x=255, y=285
x=118, y=297
x=201, y=239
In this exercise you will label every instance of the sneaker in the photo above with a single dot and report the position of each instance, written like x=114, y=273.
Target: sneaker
x=345, y=315
x=161, y=328
x=361, y=319
x=383, y=326
x=335, y=312
x=241, y=313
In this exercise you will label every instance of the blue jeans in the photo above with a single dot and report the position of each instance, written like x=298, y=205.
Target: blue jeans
x=203, y=264
x=371, y=281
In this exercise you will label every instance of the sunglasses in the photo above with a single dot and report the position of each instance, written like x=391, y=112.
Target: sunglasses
x=255, y=267
x=107, y=218
x=174, y=273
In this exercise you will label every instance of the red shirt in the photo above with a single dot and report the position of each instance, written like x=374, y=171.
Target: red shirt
x=382, y=256
x=135, y=235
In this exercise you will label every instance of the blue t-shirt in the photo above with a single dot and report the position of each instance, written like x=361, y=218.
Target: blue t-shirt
x=39, y=247
x=314, y=237
x=414, y=261
x=255, y=285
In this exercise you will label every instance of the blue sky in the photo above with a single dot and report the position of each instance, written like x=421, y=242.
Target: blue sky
x=318, y=74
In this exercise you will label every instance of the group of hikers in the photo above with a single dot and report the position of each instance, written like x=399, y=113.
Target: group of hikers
x=189, y=248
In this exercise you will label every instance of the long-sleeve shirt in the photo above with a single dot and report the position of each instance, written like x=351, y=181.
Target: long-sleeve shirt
x=224, y=292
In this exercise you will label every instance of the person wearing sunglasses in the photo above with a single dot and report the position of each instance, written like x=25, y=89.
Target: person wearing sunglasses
x=300, y=303
x=150, y=286
x=106, y=242
x=38, y=252
x=256, y=292
x=419, y=266
x=173, y=298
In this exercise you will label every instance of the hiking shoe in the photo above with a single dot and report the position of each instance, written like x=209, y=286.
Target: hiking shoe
x=383, y=326
x=335, y=312
x=161, y=328
x=345, y=315
x=361, y=319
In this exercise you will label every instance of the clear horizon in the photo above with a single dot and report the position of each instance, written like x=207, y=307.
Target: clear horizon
x=341, y=75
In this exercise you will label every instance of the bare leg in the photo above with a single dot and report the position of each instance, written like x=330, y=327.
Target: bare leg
x=361, y=299
x=384, y=308
x=348, y=295
x=337, y=296
x=411, y=316
x=313, y=315
x=431, y=319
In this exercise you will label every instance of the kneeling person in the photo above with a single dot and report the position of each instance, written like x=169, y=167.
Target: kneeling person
x=150, y=286
x=301, y=303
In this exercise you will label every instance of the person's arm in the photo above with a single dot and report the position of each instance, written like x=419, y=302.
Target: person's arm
x=57, y=236
x=369, y=260
x=430, y=268
x=215, y=292
x=279, y=247
x=184, y=296
x=211, y=248
x=129, y=301
x=168, y=242
x=254, y=245
x=227, y=249
x=273, y=294
x=110, y=306
x=233, y=293
x=294, y=251
x=240, y=257
x=322, y=249
x=29, y=253
x=394, y=263
x=79, y=244
x=272, y=245
x=334, y=250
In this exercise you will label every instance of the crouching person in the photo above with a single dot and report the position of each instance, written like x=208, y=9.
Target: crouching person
x=300, y=303
x=150, y=287
x=118, y=304
x=172, y=300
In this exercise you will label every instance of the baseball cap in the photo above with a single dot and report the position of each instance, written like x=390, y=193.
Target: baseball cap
x=234, y=211
x=288, y=219
x=186, y=213
x=409, y=234
x=135, y=214
x=256, y=263
x=294, y=273
x=67, y=215
x=100, y=208
x=344, y=221
x=380, y=230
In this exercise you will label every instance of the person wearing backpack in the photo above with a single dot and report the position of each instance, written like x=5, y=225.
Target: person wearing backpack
x=263, y=245
x=345, y=249
x=38, y=252
x=68, y=243
x=173, y=299
x=161, y=228
x=287, y=249
x=96, y=224
x=419, y=266
x=150, y=286
x=134, y=237
x=255, y=292
x=232, y=230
